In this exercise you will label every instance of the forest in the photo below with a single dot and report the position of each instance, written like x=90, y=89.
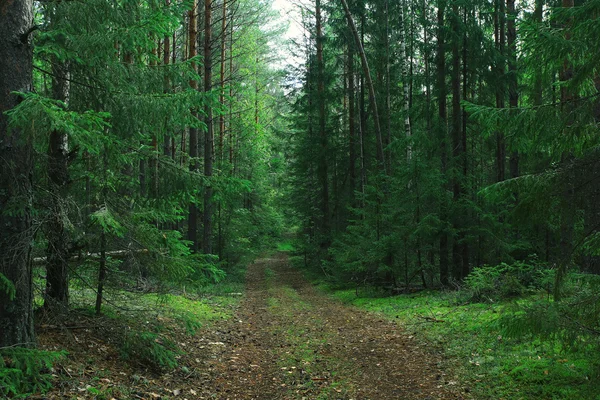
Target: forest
x=307, y=199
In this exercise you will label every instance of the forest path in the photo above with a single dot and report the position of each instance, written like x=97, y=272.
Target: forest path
x=289, y=341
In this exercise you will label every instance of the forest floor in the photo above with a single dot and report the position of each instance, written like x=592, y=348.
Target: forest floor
x=286, y=340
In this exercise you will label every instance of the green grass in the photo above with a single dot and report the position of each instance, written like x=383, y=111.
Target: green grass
x=494, y=367
x=285, y=246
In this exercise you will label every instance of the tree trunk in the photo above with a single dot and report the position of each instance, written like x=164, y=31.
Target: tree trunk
x=57, y=252
x=323, y=167
x=405, y=82
x=499, y=27
x=209, y=138
x=193, y=150
x=441, y=70
x=372, y=96
x=513, y=94
x=352, y=122
x=16, y=169
x=567, y=218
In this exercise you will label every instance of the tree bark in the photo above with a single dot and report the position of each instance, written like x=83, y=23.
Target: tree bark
x=323, y=167
x=352, y=122
x=16, y=170
x=193, y=132
x=499, y=33
x=513, y=94
x=57, y=252
x=441, y=71
x=209, y=137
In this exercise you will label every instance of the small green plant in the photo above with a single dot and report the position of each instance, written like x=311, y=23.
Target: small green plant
x=150, y=349
x=24, y=371
x=492, y=283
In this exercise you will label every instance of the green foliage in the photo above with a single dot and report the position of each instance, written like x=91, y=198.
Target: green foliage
x=7, y=287
x=493, y=283
x=150, y=349
x=573, y=323
x=26, y=371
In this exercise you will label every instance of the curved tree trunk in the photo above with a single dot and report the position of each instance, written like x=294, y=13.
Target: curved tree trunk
x=367, y=74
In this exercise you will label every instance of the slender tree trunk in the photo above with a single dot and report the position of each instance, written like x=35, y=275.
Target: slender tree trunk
x=513, y=94
x=405, y=82
x=167, y=84
x=441, y=71
x=352, y=121
x=102, y=268
x=499, y=33
x=193, y=132
x=567, y=218
x=465, y=188
x=222, y=80
x=372, y=95
x=456, y=144
x=323, y=167
x=209, y=138
x=16, y=170
x=538, y=15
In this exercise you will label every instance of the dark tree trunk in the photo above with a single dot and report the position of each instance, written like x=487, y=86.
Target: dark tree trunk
x=441, y=70
x=513, y=94
x=323, y=167
x=499, y=33
x=192, y=234
x=57, y=252
x=567, y=218
x=352, y=121
x=209, y=138
x=16, y=169
x=457, y=151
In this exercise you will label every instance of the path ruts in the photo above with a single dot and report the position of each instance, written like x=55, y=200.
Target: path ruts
x=290, y=341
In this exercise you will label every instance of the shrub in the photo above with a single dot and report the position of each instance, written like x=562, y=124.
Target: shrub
x=150, y=349
x=490, y=283
x=26, y=371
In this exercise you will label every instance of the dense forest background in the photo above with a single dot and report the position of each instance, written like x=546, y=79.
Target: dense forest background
x=161, y=144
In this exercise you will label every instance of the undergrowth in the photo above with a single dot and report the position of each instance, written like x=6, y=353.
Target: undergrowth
x=25, y=371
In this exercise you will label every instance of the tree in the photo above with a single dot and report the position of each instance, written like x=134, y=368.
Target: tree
x=16, y=167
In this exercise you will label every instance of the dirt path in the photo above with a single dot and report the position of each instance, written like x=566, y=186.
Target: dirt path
x=289, y=341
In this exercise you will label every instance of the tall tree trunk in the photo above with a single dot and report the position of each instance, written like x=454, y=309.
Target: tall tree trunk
x=222, y=80
x=567, y=218
x=405, y=82
x=513, y=94
x=352, y=122
x=209, y=137
x=57, y=252
x=499, y=33
x=193, y=132
x=322, y=167
x=167, y=85
x=441, y=71
x=457, y=152
x=465, y=251
x=16, y=170
x=372, y=96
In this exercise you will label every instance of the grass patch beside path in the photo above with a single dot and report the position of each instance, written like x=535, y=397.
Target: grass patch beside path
x=493, y=366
